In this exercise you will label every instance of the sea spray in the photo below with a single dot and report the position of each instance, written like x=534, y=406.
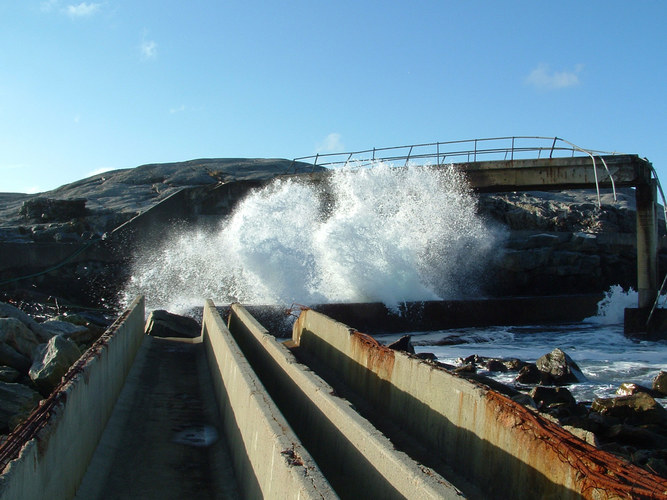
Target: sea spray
x=375, y=234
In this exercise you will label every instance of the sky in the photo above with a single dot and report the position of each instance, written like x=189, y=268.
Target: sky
x=99, y=85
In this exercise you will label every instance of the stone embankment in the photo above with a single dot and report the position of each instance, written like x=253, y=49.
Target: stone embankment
x=34, y=357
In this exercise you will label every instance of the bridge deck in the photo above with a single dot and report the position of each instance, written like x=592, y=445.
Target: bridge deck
x=156, y=444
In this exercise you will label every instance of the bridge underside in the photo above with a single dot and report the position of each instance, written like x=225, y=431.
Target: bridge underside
x=590, y=173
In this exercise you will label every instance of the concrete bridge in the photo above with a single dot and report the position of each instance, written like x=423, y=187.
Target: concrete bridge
x=236, y=413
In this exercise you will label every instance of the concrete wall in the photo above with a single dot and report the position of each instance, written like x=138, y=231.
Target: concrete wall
x=355, y=457
x=509, y=450
x=63, y=432
x=269, y=461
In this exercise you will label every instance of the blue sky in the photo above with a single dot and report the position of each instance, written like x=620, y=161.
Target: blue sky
x=86, y=86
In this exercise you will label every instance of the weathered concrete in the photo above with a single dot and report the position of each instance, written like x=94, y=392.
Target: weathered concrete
x=163, y=439
x=480, y=432
x=355, y=457
x=58, y=440
x=269, y=460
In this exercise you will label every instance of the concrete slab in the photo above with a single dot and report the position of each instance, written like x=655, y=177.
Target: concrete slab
x=163, y=439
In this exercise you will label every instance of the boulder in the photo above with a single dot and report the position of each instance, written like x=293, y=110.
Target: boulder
x=529, y=374
x=548, y=396
x=81, y=333
x=495, y=365
x=165, y=324
x=637, y=409
x=53, y=361
x=629, y=388
x=660, y=383
x=559, y=369
x=403, y=344
x=9, y=311
x=18, y=336
x=16, y=403
x=9, y=374
x=12, y=358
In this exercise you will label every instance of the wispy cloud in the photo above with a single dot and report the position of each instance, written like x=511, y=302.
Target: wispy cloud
x=332, y=143
x=178, y=109
x=49, y=5
x=148, y=49
x=543, y=77
x=83, y=9
x=99, y=171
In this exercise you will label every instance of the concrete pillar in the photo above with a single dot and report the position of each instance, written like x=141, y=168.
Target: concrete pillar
x=647, y=244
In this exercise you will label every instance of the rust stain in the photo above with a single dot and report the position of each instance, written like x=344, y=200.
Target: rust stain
x=598, y=474
x=377, y=358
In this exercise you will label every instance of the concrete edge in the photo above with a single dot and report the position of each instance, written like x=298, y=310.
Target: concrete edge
x=482, y=433
x=395, y=468
x=269, y=460
x=60, y=436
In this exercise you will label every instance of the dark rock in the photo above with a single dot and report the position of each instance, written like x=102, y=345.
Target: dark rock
x=51, y=210
x=467, y=368
x=657, y=466
x=428, y=356
x=636, y=436
x=403, y=344
x=10, y=357
x=165, y=324
x=529, y=374
x=9, y=374
x=514, y=365
x=525, y=400
x=637, y=409
x=52, y=362
x=16, y=403
x=9, y=311
x=559, y=368
x=18, y=336
x=494, y=365
x=548, y=396
x=660, y=383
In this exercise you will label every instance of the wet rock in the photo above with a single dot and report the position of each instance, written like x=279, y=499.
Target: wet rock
x=657, y=466
x=660, y=383
x=52, y=362
x=9, y=311
x=628, y=389
x=467, y=368
x=529, y=375
x=514, y=365
x=403, y=344
x=12, y=358
x=635, y=436
x=549, y=396
x=559, y=368
x=16, y=403
x=637, y=409
x=428, y=356
x=495, y=365
x=165, y=324
x=9, y=374
x=525, y=400
x=18, y=336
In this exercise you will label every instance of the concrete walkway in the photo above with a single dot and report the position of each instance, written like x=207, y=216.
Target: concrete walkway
x=161, y=441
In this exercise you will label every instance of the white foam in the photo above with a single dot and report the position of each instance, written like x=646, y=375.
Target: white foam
x=375, y=234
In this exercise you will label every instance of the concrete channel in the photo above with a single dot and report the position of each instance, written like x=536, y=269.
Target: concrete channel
x=330, y=413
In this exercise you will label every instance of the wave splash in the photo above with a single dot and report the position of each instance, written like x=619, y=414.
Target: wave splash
x=380, y=234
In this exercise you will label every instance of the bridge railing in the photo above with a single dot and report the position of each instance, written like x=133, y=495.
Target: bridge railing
x=464, y=151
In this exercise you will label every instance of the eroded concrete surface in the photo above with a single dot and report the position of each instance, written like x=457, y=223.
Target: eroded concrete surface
x=161, y=441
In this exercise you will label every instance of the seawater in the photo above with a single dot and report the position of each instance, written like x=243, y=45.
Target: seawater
x=379, y=234
x=598, y=345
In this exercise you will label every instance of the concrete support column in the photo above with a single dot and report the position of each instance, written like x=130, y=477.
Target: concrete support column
x=647, y=244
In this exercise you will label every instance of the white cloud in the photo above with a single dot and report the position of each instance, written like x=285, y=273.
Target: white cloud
x=33, y=190
x=148, y=49
x=544, y=78
x=84, y=9
x=179, y=109
x=332, y=143
x=48, y=5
